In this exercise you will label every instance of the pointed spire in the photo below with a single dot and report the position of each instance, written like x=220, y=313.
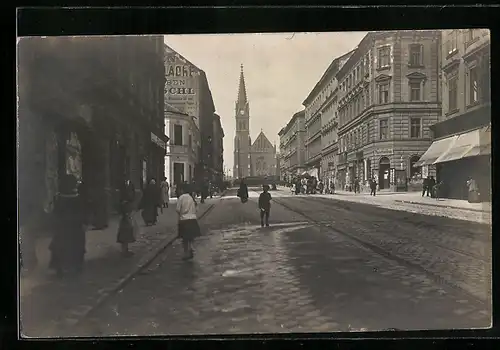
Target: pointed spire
x=242, y=91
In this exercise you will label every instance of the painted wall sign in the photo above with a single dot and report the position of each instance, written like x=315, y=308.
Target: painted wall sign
x=181, y=83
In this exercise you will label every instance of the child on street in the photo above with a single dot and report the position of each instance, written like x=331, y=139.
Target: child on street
x=265, y=205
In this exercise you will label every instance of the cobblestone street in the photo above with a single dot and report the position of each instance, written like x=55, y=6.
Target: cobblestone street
x=339, y=267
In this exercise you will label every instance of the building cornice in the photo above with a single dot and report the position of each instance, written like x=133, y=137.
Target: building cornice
x=327, y=75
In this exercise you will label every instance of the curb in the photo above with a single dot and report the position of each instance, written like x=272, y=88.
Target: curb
x=444, y=206
x=143, y=263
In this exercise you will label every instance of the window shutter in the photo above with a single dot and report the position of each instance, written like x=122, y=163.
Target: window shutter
x=422, y=55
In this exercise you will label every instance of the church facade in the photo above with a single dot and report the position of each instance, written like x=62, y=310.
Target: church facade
x=250, y=159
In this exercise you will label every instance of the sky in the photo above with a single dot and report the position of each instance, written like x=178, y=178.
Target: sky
x=280, y=71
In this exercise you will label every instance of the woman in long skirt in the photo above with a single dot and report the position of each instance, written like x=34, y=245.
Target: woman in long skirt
x=188, y=225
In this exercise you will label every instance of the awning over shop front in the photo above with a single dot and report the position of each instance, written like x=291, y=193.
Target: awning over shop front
x=468, y=144
x=436, y=149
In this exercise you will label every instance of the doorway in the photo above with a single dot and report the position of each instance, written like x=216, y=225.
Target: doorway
x=178, y=173
x=383, y=173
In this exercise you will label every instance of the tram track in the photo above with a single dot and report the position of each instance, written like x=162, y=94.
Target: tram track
x=389, y=255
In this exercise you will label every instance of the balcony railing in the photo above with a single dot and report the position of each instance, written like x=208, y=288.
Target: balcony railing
x=178, y=149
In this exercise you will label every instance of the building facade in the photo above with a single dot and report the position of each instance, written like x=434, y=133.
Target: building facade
x=389, y=95
x=259, y=158
x=184, y=147
x=292, y=147
x=320, y=119
x=218, y=153
x=187, y=89
x=91, y=107
x=462, y=139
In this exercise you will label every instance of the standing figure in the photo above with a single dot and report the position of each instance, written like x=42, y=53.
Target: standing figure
x=243, y=191
x=298, y=186
x=68, y=243
x=188, y=227
x=265, y=205
x=149, y=203
x=320, y=187
x=473, y=191
x=127, y=228
x=430, y=186
x=425, y=186
x=373, y=187
x=356, y=185
x=165, y=193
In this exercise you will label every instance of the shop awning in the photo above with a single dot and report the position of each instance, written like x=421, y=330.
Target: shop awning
x=468, y=144
x=484, y=147
x=436, y=149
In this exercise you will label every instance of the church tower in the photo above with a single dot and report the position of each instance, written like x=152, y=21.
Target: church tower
x=242, y=140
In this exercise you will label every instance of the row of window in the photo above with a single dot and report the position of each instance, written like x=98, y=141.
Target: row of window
x=451, y=43
x=474, y=92
x=361, y=136
x=178, y=139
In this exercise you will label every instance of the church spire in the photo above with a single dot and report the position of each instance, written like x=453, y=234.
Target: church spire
x=242, y=91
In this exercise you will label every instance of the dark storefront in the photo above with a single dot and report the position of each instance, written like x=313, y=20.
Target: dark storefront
x=468, y=154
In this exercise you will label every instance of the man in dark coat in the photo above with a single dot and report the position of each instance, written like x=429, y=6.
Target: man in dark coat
x=425, y=186
x=68, y=243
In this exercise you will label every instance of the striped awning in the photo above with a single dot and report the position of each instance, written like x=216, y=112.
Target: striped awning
x=435, y=151
x=469, y=144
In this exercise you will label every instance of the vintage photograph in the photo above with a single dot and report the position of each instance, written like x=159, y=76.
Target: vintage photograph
x=254, y=183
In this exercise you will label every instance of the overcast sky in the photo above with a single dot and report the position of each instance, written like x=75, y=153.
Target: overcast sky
x=280, y=71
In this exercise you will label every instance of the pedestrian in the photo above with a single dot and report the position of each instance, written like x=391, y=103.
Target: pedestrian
x=149, y=203
x=425, y=186
x=165, y=192
x=68, y=243
x=320, y=187
x=430, y=187
x=127, y=230
x=473, y=191
x=188, y=227
x=356, y=185
x=265, y=205
x=243, y=191
x=373, y=187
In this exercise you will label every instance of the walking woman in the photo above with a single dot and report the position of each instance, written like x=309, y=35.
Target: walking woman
x=188, y=226
x=68, y=243
x=165, y=192
x=128, y=227
x=150, y=202
x=243, y=191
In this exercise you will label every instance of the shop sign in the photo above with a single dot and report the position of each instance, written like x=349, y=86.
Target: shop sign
x=159, y=142
x=392, y=176
x=381, y=151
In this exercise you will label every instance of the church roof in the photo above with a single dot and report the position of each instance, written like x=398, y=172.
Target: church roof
x=242, y=90
x=263, y=138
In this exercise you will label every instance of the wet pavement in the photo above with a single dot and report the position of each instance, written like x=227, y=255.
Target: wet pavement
x=304, y=274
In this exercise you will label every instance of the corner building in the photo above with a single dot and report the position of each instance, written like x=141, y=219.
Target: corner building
x=389, y=95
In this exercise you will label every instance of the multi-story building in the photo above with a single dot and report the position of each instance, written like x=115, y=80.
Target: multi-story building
x=218, y=150
x=259, y=158
x=319, y=110
x=184, y=147
x=462, y=139
x=389, y=95
x=187, y=90
x=292, y=147
x=329, y=120
x=91, y=107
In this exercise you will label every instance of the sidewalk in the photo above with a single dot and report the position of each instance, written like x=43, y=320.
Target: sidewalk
x=48, y=303
x=415, y=198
